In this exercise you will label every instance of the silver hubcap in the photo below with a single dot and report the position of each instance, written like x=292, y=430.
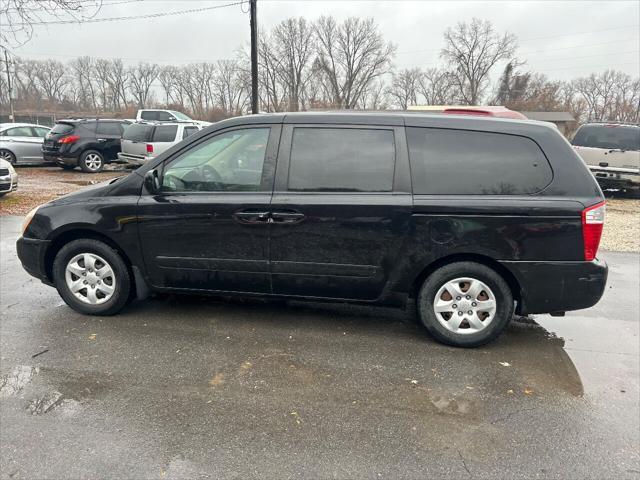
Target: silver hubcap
x=90, y=278
x=465, y=305
x=93, y=161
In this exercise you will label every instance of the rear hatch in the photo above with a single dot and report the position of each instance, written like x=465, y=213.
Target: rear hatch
x=60, y=131
x=135, y=139
x=609, y=145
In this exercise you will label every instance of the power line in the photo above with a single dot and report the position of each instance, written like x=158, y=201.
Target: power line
x=132, y=17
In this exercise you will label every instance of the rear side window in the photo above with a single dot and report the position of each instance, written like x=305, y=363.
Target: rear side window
x=608, y=136
x=189, y=131
x=138, y=132
x=109, y=128
x=62, y=128
x=459, y=162
x=149, y=115
x=165, y=133
x=342, y=160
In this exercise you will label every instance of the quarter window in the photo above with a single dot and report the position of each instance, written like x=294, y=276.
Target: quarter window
x=229, y=162
x=342, y=160
x=40, y=132
x=461, y=162
x=189, y=131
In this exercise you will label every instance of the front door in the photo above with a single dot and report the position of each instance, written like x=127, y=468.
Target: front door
x=340, y=210
x=208, y=228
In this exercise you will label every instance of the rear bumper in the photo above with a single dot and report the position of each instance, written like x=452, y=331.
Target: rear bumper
x=133, y=159
x=60, y=158
x=31, y=253
x=558, y=286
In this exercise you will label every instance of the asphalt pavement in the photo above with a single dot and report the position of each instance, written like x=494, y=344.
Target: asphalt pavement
x=182, y=387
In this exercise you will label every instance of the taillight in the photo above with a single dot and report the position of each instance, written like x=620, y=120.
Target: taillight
x=69, y=139
x=149, y=148
x=592, y=223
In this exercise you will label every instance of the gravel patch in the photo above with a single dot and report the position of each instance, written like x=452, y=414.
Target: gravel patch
x=38, y=185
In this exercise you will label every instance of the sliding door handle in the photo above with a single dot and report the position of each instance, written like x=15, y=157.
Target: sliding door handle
x=252, y=216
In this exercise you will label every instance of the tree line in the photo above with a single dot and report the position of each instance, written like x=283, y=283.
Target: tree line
x=323, y=64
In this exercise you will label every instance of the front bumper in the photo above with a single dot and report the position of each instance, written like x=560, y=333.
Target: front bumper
x=31, y=252
x=8, y=185
x=547, y=287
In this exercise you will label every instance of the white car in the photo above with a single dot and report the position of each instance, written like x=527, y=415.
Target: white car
x=143, y=141
x=612, y=153
x=21, y=143
x=8, y=178
x=158, y=115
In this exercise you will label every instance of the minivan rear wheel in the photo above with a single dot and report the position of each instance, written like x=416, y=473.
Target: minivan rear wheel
x=465, y=304
x=91, y=277
x=91, y=161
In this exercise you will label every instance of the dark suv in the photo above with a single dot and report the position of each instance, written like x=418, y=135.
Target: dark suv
x=88, y=144
x=471, y=218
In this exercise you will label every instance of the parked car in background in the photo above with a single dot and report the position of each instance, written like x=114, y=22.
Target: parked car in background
x=21, y=143
x=143, y=141
x=87, y=143
x=469, y=218
x=612, y=153
x=158, y=115
x=8, y=177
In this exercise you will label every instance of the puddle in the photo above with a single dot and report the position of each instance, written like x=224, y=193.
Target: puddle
x=15, y=381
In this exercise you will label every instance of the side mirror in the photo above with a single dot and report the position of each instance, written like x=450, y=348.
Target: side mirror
x=152, y=181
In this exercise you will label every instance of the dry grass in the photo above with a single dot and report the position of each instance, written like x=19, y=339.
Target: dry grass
x=40, y=185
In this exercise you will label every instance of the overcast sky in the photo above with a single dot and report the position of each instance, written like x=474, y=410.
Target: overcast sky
x=561, y=39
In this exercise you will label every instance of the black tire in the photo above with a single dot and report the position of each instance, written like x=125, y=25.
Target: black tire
x=91, y=161
x=497, y=284
x=122, y=288
x=8, y=156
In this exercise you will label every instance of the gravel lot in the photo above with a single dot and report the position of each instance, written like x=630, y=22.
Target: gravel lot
x=41, y=184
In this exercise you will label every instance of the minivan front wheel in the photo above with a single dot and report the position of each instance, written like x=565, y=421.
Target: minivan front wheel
x=91, y=277
x=91, y=161
x=465, y=304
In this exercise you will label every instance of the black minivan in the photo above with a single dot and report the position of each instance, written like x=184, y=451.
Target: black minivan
x=85, y=143
x=471, y=218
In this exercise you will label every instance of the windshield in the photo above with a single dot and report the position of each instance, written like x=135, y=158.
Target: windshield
x=138, y=132
x=623, y=137
x=179, y=115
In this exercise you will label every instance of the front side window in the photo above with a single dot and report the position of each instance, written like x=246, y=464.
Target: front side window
x=19, y=132
x=462, y=162
x=228, y=162
x=165, y=117
x=109, y=128
x=342, y=160
x=165, y=133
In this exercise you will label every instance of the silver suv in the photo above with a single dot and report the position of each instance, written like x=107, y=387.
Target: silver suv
x=143, y=141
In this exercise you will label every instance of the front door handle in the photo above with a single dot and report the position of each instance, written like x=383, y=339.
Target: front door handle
x=286, y=216
x=252, y=216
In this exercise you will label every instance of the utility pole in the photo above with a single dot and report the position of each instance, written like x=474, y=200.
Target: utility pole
x=6, y=62
x=254, y=56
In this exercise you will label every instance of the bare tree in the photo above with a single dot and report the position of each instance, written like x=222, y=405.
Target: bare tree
x=436, y=87
x=294, y=46
x=610, y=95
x=141, y=77
x=53, y=81
x=117, y=79
x=404, y=87
x=273, y=90
x=350, y=56
x=231, y=87
x=82, y=68
x=18, y=17
x=168, y=77
x=472, y=50
x=374, y=96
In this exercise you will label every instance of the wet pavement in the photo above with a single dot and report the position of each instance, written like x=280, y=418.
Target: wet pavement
x=180, y=387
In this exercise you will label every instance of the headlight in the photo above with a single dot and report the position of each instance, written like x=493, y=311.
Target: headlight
x=28, y=218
